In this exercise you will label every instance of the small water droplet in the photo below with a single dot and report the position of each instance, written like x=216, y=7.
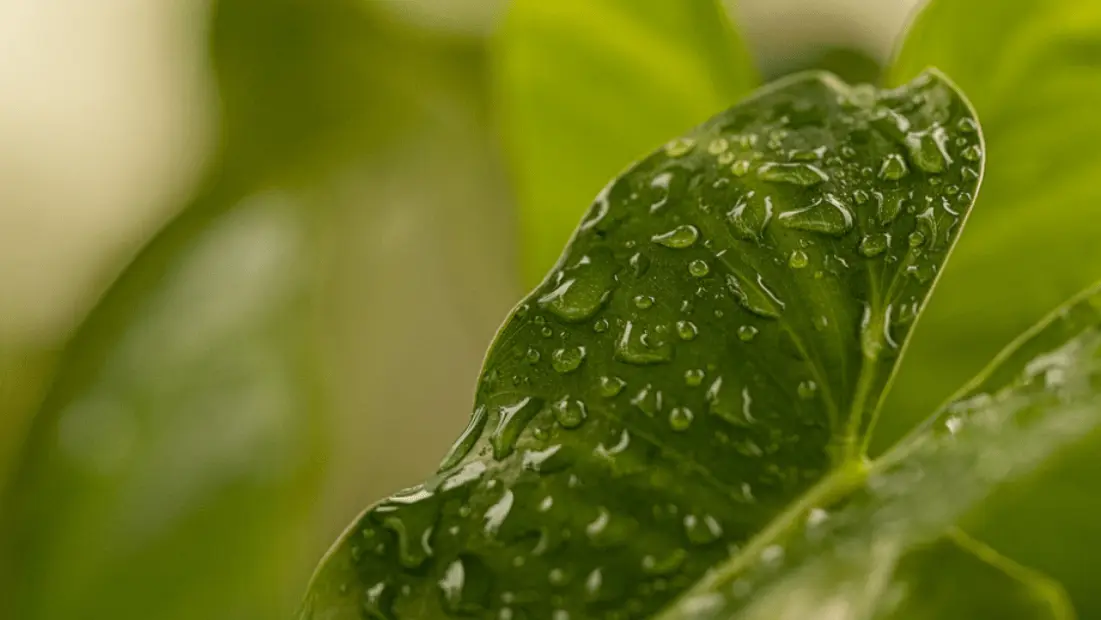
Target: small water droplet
x=511, y=420
x=694, y=377
x=827, y=215
x=967, y=125
x=547, y=332
x=798, y=259
x=640, y=264
x=746, y=333
x=600, y=326
x=807, y=389
x=611, y=386
x=643, y=302
x=683, y=236
x=740, y=168
x=670, y=563
x=916, y=239
x=972, y=153
x=638, y=345
x=702, y=531
x=927, y=226
x=717, y=146
x=802, y=174
x=680, y=418
x=922, y=272
x=699, y=268
x=648, y=400
x=679, y=147
x=569, y=412
x=874, y=244
x=687, y=330
x=466, y=440
x=860, y=196
x=532, y=355
x=893, y=168
x=567, y=359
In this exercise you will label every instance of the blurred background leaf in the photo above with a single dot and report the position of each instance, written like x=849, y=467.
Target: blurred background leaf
x=1034, y=74
x=586, y=87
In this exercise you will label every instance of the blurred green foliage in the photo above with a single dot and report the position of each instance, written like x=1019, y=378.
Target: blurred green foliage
x=586, y=87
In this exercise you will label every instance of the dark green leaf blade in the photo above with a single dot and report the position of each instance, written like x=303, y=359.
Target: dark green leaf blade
x=857, y=544
x=588, y=86
x=711, y=344
x=177, y=441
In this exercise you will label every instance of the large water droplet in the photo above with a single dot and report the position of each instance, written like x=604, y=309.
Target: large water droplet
x=511, y=421
x=828, y=215
x=755, y=297
x=683, y=236
x=799, y=173
x=569, y=412
x=466, y=440
x=567, y=359
x=893, y=168
x=687, y=330
x=641, y=346
x=582, y=289
x=927, y=149
x=750, y=216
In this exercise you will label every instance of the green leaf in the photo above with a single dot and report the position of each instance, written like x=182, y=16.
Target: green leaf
x=177, y=441
x=713, y=342
x=1034, y=75
x=588, y=86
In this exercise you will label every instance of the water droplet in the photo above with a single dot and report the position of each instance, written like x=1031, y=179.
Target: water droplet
x=717, y=146
x=807, y=389
x=750, y=216
x=611, y=386
x=511, y=420
x=757, y=298
x=687, y=330
x=648, y=400
x=566, y=360
x=874, y=244
x=679, y=147
x=569, y=412
x=860, y=196
x=798, y=259
x=702, y=531
x=916, y=239
x=698, y=268
x=969, y=173
x=827, y=215
x=583, y=288
x=972, y=153
x=927, y=149
x=893, y=168
x=683, y=236
x=927, y=226
x=640, y=264
x=680, y=418
x=451, y=585
x=412, y=517
x=496, y=514
x=740, y=168
x=922, y=272
x=725, y=158
x=638, y=345
x=379, y=603
x=532, y=355
x=889, y=209
x=600, y=326
x=967, y=125
x=643, y=302
x=661, y=184
x=547, y=332
x=694, y=377
x=549, y=460
x=801, y=174
x=670, y=563
x=746, y=333
x=466, y=440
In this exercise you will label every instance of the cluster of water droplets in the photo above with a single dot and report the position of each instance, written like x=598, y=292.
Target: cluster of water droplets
x=665, y=390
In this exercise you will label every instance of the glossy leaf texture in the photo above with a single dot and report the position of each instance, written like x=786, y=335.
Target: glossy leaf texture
x=862, y=551
x=713, y=342
x=878, y=541
x=1034, y=75
x=588, y=86
x=177, y=433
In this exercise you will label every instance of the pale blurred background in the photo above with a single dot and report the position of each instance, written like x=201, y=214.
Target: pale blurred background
x=109, y=116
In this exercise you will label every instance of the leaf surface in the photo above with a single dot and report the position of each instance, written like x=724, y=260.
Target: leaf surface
x=587, y=87
x=714, y=341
